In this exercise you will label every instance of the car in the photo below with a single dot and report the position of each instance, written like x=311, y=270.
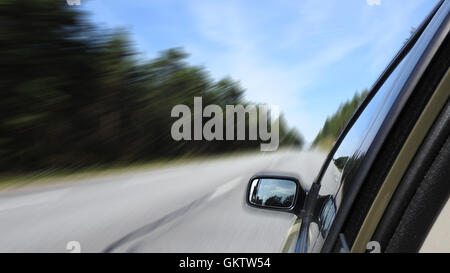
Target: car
x=386, y=179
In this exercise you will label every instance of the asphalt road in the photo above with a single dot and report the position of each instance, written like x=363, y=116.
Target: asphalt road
x=194, y=207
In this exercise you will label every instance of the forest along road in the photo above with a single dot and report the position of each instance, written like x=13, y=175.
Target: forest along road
x=193, y=207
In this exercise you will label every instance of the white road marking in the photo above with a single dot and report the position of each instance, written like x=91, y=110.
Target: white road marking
x=225, y=188
x=141, y=179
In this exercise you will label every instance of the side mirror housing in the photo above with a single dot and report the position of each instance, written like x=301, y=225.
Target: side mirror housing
x=276, y=192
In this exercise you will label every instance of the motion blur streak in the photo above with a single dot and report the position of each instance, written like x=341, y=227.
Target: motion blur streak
x=192, y=207
x=75, y=95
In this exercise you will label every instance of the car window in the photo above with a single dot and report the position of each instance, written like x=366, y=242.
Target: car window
x=358, y=139
x=346, y=160
x=337, y=177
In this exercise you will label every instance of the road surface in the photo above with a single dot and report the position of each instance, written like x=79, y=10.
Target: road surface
x=194, y=207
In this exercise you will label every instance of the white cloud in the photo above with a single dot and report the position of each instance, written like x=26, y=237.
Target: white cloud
x=248, y=52
x=373, y=2
x=245, y=56
x=282, y=50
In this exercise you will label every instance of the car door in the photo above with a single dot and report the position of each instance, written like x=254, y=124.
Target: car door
x=366, y=151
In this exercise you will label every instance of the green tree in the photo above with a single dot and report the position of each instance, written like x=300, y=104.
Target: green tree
x=334, y=125
x=74, y=95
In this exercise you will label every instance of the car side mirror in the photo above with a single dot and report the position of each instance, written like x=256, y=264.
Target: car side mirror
x=276, y=192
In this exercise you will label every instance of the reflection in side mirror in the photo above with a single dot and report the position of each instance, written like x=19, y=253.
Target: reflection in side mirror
x=275, y=193
x=282, y=193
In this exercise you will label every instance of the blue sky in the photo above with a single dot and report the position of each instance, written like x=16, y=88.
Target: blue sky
x=307, y=56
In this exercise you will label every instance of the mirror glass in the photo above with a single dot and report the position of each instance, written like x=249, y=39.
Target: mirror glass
x=269, y=192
